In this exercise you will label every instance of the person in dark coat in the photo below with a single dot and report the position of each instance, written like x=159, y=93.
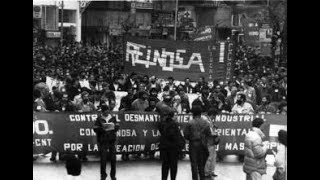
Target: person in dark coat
x=106, y=127
x=202, y=101
x=169, y=143
x=187, y=87
x=201, y=84
x=116, y=85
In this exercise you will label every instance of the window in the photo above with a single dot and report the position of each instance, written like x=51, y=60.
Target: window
x=69, y=16
x=236, y=20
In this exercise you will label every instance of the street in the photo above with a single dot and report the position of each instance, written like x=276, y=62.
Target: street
x=229, y=169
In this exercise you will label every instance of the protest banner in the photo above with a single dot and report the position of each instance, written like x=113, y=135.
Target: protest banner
x=204, y=34
x=138, y=132
x=164, y=58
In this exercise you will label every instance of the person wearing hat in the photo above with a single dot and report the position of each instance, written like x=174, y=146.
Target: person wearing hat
x=170, y=141
x=255, y=151
x=106, y=127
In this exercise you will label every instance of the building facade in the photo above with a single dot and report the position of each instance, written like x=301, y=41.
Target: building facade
x=48, y=20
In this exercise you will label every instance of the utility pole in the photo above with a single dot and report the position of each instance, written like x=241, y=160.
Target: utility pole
x=175, y=21
x=61, y=30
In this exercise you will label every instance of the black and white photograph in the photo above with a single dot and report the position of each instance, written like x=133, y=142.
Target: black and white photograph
x=160, y=90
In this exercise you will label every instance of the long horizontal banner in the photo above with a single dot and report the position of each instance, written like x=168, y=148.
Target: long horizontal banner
x=138, y=131
x=164, y=58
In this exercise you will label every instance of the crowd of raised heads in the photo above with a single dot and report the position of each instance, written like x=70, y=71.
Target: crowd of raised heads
x=81, y=78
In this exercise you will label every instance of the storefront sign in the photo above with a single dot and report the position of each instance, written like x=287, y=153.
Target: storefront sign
x=52, y=34
x=141, y=5
x=37, y=12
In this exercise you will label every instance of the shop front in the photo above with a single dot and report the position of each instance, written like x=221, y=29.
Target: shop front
x=52, y=38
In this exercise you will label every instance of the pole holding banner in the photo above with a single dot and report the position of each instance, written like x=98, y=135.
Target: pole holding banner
x=175, y=21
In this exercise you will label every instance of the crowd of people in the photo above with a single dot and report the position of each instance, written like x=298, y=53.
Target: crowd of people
x=84, y=78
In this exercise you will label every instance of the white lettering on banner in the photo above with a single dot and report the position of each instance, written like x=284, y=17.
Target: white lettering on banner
x=229, y=61
x=141, y=117
x=235, y=118
x=134, y=51
x=83, y=117
x=95, y=147
x=87, y=132
x=154, y=146
x=42, y=142
x=221, y=54
x=126, y=133
x=156, y=133
x=72, y=146
x=130, y=148
x=183, y=118
x=234, y=146
x=41, y=131
x=145, y=132
x=232, y=132
x=272, y=145
x=203, y=38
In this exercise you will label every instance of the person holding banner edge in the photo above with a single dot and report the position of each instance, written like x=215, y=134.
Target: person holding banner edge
x=106, y=127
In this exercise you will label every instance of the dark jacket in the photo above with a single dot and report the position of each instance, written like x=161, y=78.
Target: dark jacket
x=188, y=88
x=205, y=104
x=199, y=87
x=120, y=87
x=105, y=137
x=126, y=102
x=169, y=130
x=185, y=105
x=198, y=129
x=68, y=106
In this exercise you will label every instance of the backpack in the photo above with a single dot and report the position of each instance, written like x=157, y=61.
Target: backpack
x=73, y=165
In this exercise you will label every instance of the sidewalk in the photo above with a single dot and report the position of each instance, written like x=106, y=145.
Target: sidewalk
x=230, y=169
